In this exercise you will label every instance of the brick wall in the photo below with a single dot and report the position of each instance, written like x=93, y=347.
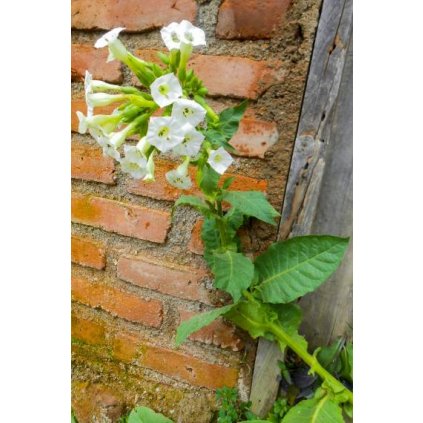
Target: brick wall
x=137, y=271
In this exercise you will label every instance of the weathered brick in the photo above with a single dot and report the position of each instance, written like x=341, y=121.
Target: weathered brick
x=218, y=333
x=132, y=348
x=244, y=78
x=254, y=137
x=162, y=190
x=181, y=282
x=89, y=163
x=122, y=218
x=86, y=252
x=119, y=303
x=85, y=57
x=195, y=244
x=95, y=402
x=91, y=332
x=250, y=19
x=134, y=15
x=80, y=105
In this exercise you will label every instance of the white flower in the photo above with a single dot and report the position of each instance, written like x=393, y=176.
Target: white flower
x=103, y=140
x=190, y=34
x=102, y=99
x=116, y=139
x=164, y=133
x=191, y=144
x=143, y=146
x=170, y=36
x=188, y=111
x=220, y=160
x=149, y=177
x=166, y=89
x=116, y=49
x=179, y=177
x=134, y=163
x=185, y=32
x=106, y=123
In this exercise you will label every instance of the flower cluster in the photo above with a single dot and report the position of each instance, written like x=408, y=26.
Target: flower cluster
x=170, y=115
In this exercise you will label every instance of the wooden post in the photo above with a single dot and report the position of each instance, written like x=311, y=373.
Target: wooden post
x=318, y=197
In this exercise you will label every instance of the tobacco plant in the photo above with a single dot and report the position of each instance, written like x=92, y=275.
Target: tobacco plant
x=170, y=115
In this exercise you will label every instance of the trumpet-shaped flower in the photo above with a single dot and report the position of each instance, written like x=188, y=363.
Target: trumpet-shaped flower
x=166, y=89
x=188, y=111
x=103, y=140
x=143, y=146
x=170, y=36
x=106, y=123
x=179, y=177
x=116, y=49
x=190, y=34
x=134, y=162
x=149, y=177
x=220, y=160
x=191, y=144
x=103, y=99
x=118, y=138
x=184, y=32
x=164, y=133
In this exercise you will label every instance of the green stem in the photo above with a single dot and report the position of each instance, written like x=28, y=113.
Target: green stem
x=308, y=358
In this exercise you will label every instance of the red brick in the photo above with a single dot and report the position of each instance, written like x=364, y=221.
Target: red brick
x=80, y=105
x=161, y=190
x=86, y=252
x=181, y=282
x=243, y=77
x=250, y=19
x=190, y=369
x=195, y=244
x=134, y=15
x=122, y=218
x=91, y=332
x=130, y=347
x=94, y=60
x=119, y=303
x=254, y=137
x=90, y=164
x=218, y=333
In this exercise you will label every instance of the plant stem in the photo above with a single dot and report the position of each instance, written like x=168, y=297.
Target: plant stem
x=307, y=358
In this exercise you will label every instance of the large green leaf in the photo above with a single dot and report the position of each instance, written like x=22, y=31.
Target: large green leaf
x=253, y=317
x=252, y=203
x=314, y=411
x=209, y=179
x=197, y=322
x=233, y=272
x=289, y=318
x=146, y=415
x=211, y=239
x=193, y=201
x=292, y=268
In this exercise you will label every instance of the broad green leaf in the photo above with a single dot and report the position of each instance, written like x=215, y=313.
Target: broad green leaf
x=211, y=239
x=289, y=318
x=314, y=411
x=233, y=273
x=73, y=418
x=194, y=324
x=193, y=201
x=252, y=203
x=233, y=221
x=348, y=409
x=292, y=268
x=146, y=415
x=227, y=182
x=229, y=119
x=255, y=421
x=253, y=317
x=209, y=179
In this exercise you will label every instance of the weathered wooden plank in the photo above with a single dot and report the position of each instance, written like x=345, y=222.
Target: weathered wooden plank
x=318, y=197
